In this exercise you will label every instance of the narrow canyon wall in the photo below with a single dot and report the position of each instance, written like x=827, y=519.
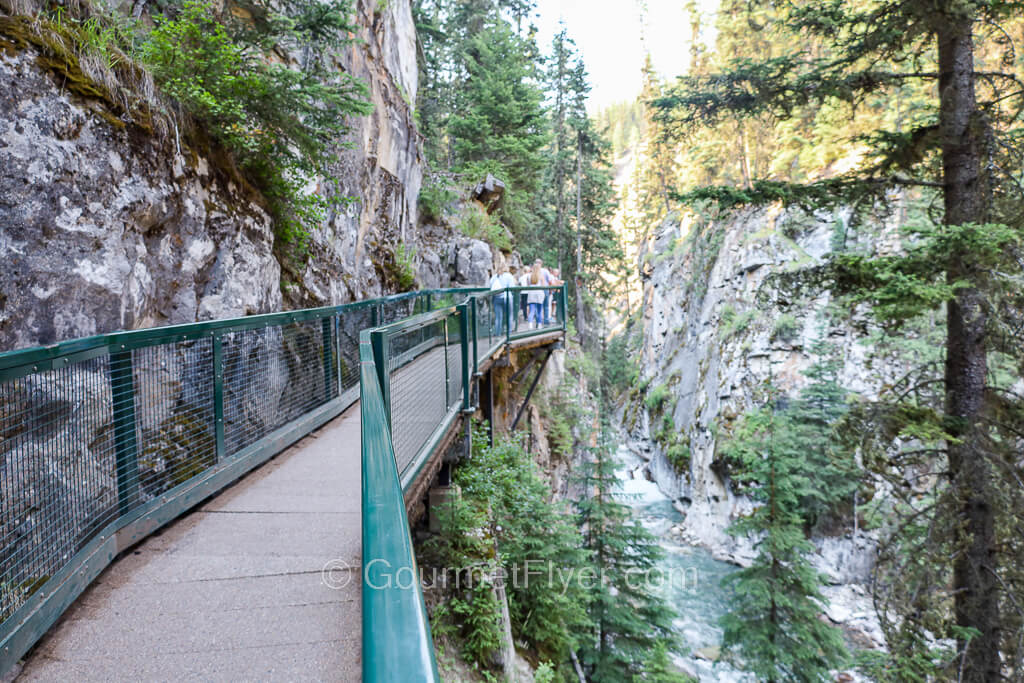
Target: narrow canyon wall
x=104, y=226
x=724, y=315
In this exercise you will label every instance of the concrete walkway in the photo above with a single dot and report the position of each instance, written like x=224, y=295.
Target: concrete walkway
x=235, y=590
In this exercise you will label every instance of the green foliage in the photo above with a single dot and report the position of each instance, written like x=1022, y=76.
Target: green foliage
x=678, y=454
x=736, y=323
x=620, y=364
x=804, y=429
x=435, y=195
x=773, y=622
x=786, y=328
x=629, y=618
x=658, y=668
x=544, y=673
x=479, y=617
x=907, y=285
x=912, y=660
x=506, y=513
x=805, y=86
x=405, y=268
x=281, y=123
x=658, y=397
x=499, y=126
x=478, y=224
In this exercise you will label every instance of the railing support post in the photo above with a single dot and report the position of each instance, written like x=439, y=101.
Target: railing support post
x=447, y=370
x=218, y=396
x=563, y=304
x=474, y=332
x=325, y=333
x=336, y=318
x=122, y=391
x=487, y=404
x=508, y=313
x=464, y=331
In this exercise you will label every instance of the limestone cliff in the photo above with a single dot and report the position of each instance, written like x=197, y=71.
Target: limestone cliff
x=722, y=315
x=105, y=226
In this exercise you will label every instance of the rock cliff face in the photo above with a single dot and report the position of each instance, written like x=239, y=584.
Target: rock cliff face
x=104, y=227
x=724, y=312
x=719, y=322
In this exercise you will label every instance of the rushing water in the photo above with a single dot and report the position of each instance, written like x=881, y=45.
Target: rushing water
x=691, y=576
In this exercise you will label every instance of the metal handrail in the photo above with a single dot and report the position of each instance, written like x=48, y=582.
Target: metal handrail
x=396, y=633
x=213, y=352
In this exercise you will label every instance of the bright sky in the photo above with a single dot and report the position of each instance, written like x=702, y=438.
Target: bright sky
x=608, y=34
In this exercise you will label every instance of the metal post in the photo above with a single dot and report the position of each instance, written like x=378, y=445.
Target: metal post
x=563, y=304
x=337, y=352
x=430, y=302
x=487, y=404
x=508, y=314
x=218, y=395
x=325, y=331
x=122, y=390
x=473, y=322
x=447, y=370
x=464, y=331
x=533, y=385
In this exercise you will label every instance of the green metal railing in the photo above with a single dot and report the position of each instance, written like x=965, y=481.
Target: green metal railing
x=107, y=438
x=415, y=382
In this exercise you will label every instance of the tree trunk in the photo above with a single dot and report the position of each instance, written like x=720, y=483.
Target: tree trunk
x=975, y=581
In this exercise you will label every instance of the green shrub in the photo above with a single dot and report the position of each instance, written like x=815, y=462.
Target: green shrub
x=478, y=224
x=435, y=195
x=480, y=617
x=280, y=123
x=403, y=269
x=786, y=328
x=545, y=673
x=656, y=399
x=678, y=455
x=736, y=323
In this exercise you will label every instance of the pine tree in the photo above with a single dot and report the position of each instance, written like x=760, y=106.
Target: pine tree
x=629, y=617
x=499, y=125
x=773, y=622
x=961, y=147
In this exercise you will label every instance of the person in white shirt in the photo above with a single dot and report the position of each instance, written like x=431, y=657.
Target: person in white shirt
x=523, y=281
x=500, y=302
x=535, y=297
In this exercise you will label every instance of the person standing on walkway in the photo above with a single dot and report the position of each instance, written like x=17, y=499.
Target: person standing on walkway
x=524, y=281
x=500, y=302
x=535, y=297
x=545, y=281
x=550, y=304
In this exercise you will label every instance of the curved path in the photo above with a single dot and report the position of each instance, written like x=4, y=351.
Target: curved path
x=234, y=590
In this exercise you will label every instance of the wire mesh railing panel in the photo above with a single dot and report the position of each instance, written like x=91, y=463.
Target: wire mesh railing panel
x=350, y=324
x=274, y=375
x=393, y=311
x=418, y=386
x=453, y=351
x=539, y=310
x=175, y=417
x=58, y=483
x=486, y=325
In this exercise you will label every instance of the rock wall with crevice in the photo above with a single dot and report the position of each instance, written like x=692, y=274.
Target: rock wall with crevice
x=729, y=307
x=105, y=226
